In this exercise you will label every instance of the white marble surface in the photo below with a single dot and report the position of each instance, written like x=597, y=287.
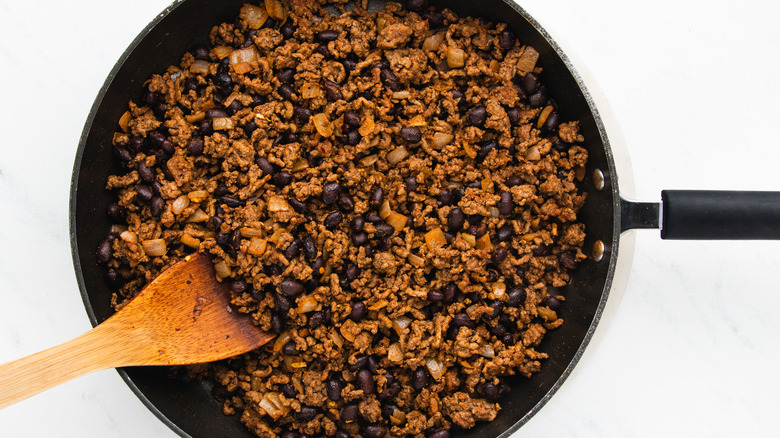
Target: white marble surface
x=692, y=349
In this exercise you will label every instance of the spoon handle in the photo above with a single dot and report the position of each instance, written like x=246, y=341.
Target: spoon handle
x=95, y=350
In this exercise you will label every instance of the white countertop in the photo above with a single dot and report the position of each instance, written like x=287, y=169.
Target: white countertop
x=692, y=349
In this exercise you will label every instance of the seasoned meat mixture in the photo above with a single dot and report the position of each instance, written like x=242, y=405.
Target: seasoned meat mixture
x=393, y=194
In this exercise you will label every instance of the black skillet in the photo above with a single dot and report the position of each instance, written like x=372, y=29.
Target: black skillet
x=190, y=410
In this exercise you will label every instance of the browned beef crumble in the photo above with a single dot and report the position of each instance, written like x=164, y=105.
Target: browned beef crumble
x=391, y=193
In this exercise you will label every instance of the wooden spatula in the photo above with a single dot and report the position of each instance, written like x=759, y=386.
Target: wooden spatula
x=182, y=317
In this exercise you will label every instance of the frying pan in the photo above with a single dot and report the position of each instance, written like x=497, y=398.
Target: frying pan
x=190, y=410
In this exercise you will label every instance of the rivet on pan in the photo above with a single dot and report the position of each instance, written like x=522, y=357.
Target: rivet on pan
x=598, y=179
x=598, y=251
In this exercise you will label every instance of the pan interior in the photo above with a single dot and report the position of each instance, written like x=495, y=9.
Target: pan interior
x=188, y=408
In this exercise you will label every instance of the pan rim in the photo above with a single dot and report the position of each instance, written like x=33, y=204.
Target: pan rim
x=611, y=248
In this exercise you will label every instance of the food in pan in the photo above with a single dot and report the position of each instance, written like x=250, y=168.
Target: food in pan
x=392, y=193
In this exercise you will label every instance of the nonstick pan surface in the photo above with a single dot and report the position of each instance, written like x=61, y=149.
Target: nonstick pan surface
x=676, y=308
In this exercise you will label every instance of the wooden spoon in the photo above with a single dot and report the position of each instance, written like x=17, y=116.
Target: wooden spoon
x=182, y=317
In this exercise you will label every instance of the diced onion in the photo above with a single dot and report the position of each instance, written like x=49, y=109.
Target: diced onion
x=499, y=288
x=433, y=42
x=275, y=9
x=367, y=127
x=369, y=160
x=124, y=120
x=532, y=154
x=469, y=239
x=400, y=324
x=272, y=404
x=484, y=243
x=278, y=203
x=254, y=16
x=155, y=247
x=417, y=120
x=346, y=330
x=336, y=338
x=251, y=232
x=441, y=139
x=384, y=209
x=200, y=67
x=397, y=155
x=129, y=237
x=487, y=351
x=257, y=246
x=222, y=123
x=403, y=94
x=222, y=269
x=394, y=352
x=416, y=260
x=435, y=367
x=307, y=304
x=180, y=203
x=322, y=124
x=396, y=220
x=456, y=57
x=281, y=340
x=190, y=241
x=198, y=195
x=198, y=216
x=435, y=238
x=548, y=314
x=248, y=55
x=527, y=61
x=223, y=51
x=544, y=115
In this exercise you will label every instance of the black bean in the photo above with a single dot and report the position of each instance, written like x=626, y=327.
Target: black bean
x=552, y=122
x=346, y=202
x=144, y=192
x=286, y=91
x=462, y=320
x=282, y=179
x=514, y=115
x=484, y=150
x=277, y=323
x=449, y=292
x=506, y=204
x=560, y=146
x=416, y=5
x=477, y=230
x=373, y=366
x=499, y=255
x=366, y=382
x=352, y=272
x=289, y=434
x=506, y=40
x=341, y=434
x=352, y=119
x=104, y=251
x=411, y=134
x=281, y=303
x=374, y=431
x=135, y=144
x=234, y=107
x=356, y=224
x=505, y=232
x=541, y=250
x=205, y=127
x=333, y=220
x=114, y=211
x=330, y=193
x=299, y=206
x=291, y=287
x=290, y=348
x=373, y=218
x=286, y=75
x=146, y=174
x=539, y=98
x=446, y=197
x=360, y=363
x=315, y=320
x=359, y=239
x=392, y=390
x=567, y=260
x=196, y=146
x=349, y=65
x=529, y=83
x=552, y=302
x=309, y=248
x=478, y=116
x=190, y=84
x=377, y=196
x=455, y=220
x=333, y=91
x=349, y=413
x=358, y=312
x=497, y=306
x=435, y=296
x=411, y=184
x=516, y=297
x=327, y=35
x=333, y=389
x=224, y=65
x=441, y=433
x=389, y=79
x=287, y=30
x=306, y=413
x=383, y=229
x=239, y=286
x=420, y=379
x=223, y=80
x=231, y=201
x=301, y=113
x=201, y=53
x=156, y=206
x=352, y=138
x=491, y=392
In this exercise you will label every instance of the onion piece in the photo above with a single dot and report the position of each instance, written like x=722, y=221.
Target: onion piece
x=222, y=123
x=249, y=232
x=275, y=10
x=487, y=351
x=394, y=352
x=532, y=154
x=435, y=367
x=307, y=304
x=222, y=52
x=456, y=58
x=198, y=195
x=155, y=247
x=527, y=61
x=257, y=246
x=129, y=236
x=441, y=139
x=180, y=203
x=200, y=67
x=222, y=269
x=384, y=209
x=322, y=124
x=278, y=203
x=499, y=288
x=197, y=216
x=435, y=238
x=190, y=241
x=397, y=155
x=281, y=340
x=254, y=16
x=484, y=243
x=433, y=42
x=396, y=220
x=367, y=127
x=248, y=55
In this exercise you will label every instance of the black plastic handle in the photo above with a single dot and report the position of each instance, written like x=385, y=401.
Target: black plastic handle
x=720, y=215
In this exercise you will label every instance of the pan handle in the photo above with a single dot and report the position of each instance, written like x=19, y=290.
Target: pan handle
x=707, y=215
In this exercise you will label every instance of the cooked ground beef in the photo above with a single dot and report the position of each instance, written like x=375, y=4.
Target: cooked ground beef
x=393, y=194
